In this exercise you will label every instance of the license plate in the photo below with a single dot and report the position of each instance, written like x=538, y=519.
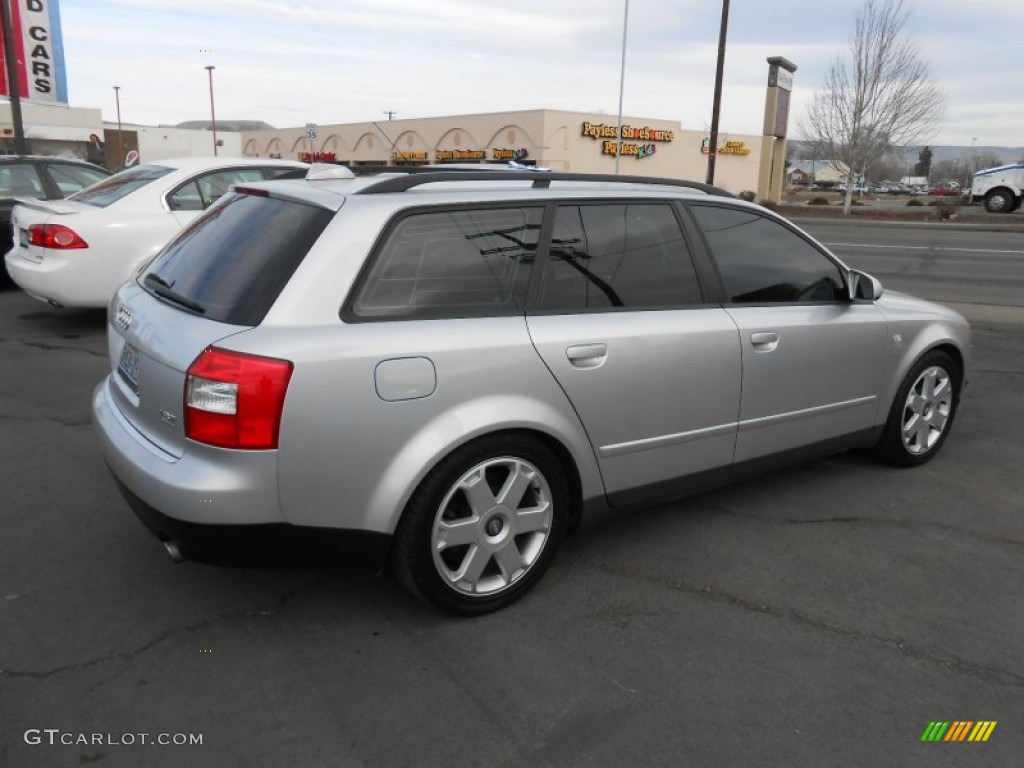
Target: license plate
x=128, y=366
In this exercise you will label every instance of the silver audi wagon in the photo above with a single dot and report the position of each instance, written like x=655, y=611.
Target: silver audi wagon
x=451, y=368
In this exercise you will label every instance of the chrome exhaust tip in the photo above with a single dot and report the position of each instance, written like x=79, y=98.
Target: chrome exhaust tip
x=173, y=551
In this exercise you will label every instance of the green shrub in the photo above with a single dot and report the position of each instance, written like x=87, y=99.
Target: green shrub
x=818, y=201
x=914, y=201
x=945, y=210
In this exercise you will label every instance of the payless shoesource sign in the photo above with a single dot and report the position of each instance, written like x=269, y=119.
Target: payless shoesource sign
x=639, y=142
x=38, y=51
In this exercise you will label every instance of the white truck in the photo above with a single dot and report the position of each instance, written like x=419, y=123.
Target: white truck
x=1000, y=188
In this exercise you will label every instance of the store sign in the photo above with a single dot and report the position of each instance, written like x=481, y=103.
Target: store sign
x=417, y=156
x=639, y=151
x=460, y=154
x=38, y=51
x=317, y=157
x=509, y=154
x=729, y=148
x=645, y=133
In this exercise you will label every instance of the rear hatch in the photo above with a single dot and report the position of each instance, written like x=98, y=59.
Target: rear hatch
x=219, y=277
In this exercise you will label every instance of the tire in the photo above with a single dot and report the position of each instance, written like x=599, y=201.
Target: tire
x=922, y=414
x=459, y=548
x=999, y=201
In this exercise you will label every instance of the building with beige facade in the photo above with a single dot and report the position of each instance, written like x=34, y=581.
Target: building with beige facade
x=564, y=141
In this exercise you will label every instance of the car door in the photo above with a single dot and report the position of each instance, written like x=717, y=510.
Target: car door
x=651, y=369
x=812, y=359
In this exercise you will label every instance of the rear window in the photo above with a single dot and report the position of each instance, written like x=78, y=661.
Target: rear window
x=231, y=263
x=120, y=184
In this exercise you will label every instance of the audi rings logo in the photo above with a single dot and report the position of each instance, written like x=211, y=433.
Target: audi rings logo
x=124, y=318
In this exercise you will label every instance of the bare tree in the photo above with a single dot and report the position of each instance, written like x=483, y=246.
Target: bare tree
x=879, y=99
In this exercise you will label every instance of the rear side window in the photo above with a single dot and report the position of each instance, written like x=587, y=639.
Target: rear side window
x=72, y=178
x=203, y=191
x=762, y=261
x=120, y=184
x=627, y=256
x=231, y=263
x=20, y=180
x=465, y=263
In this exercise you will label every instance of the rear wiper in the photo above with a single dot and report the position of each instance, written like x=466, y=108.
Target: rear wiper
x=162, y=288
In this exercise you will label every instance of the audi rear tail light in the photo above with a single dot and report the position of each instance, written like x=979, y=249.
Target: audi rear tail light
x=235, y=400
x=55, y=236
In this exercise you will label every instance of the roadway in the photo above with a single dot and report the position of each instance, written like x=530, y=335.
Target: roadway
x=817, y=616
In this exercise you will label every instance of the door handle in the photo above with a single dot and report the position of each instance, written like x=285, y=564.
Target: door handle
x=764, y=341
x=587, y=355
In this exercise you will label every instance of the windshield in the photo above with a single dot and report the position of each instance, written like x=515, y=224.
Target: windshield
x=119, y=185
x=232, y=262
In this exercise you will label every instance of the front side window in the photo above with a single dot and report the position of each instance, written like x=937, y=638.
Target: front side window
x=466, y=263
x=761, y=261
x=115, y=187
x=627, y=256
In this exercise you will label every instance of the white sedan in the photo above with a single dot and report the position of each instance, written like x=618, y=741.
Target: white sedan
x=77, y=252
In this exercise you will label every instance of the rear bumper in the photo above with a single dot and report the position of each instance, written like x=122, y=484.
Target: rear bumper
x=272, y=544
x=219, y=506
x=68, y=278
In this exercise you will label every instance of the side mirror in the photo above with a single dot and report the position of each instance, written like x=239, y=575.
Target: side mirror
x=861, y=286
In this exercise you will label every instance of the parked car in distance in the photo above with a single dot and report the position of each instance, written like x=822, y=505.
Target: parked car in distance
x=44, y=178
x=455, y=367
x=76, y=252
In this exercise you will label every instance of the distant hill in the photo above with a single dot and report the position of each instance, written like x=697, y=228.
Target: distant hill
x=230, y=126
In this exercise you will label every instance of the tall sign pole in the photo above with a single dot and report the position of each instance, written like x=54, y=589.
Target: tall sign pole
x=13, y=89
x=776, y=122
x=717, y=105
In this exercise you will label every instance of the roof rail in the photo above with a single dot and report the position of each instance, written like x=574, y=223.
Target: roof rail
x=540, y=180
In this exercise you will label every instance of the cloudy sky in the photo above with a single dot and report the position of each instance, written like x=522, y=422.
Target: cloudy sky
x=290, y=62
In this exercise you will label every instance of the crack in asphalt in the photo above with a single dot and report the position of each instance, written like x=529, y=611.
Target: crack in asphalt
x=993, y=675
x=166, y=635
x=996, y=370
x=875, y=521
x=54, y=419
x=47, y=347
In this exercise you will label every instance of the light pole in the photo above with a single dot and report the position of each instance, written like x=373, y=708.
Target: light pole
x=213, y=114
x=622, y=84
x=717, y=104
x=20, y=146
x=120, y=145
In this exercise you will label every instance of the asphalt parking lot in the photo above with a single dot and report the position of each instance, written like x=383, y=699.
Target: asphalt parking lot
x=819, y=616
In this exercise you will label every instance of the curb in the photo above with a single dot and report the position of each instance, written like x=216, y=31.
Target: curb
x=966, y=226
